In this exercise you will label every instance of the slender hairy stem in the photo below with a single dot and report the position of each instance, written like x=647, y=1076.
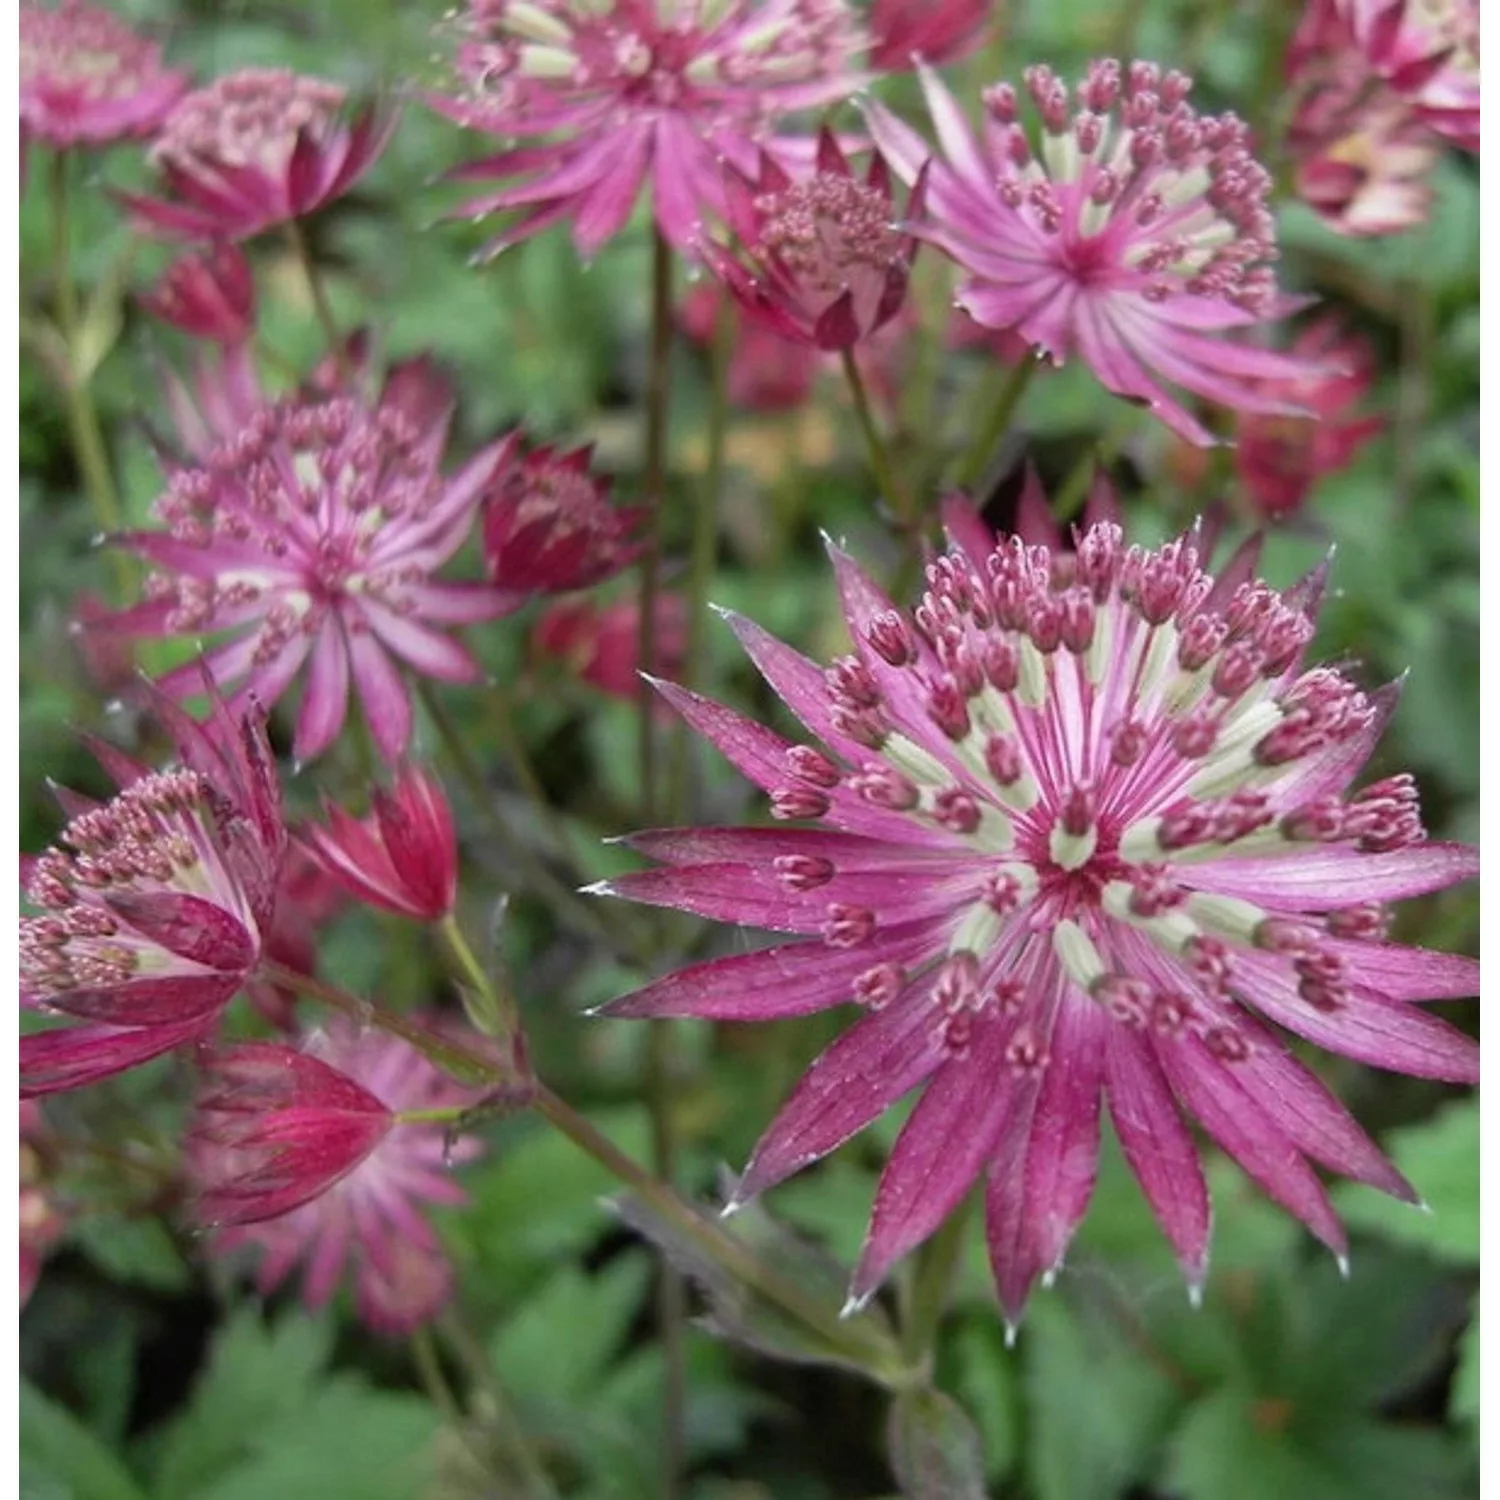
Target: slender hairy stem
x=569, y=906
x=992, y=428
x=931, y=1284
x=321, y=308
x=879, y=453
x=84, y=432
x=653, y=497
x=424, y=1356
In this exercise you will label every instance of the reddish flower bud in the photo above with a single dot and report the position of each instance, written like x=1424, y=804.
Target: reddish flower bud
x=209, y=294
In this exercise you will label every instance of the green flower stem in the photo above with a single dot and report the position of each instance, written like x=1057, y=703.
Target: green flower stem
x=1011, y=387
x=931, y=1284
x=879, y=453
x=297, y=240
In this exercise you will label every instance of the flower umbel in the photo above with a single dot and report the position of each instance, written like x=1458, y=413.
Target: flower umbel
x=369, y=1219
x=633, y=92
x=1138, y=229
x=87, y=79
x=208, y=294
x=155, y=904
x=1088, y=831
x=313, y=534
x=255, y=149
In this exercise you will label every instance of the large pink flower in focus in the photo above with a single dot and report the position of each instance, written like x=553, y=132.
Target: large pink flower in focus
x=311, y=529
x=87, y=79
x=370, y=1220
x=1139, y=233
x=1088, y=832
x=155, y=905
x=610, y=98
x=255, y=149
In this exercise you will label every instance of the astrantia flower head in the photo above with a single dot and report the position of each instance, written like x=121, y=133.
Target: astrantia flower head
x=311, y=528
x=255, y=149
x=154, y=906
x=87, y=79
x=601, y=643
x=549, y=525
x=1280, y=459
x=906, y=32
x=631, y=92
x=370, y=1220
x=403, y=858
x=1138, y=229
x=766, y=372
x=823, y=262
x=208, y=294
x=1088, y=830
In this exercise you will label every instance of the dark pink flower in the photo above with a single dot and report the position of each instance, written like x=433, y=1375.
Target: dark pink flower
x=601, y=643
x=275, y=1128
x=1137, y=236
x=906, y=32
x=255, y=149
x=403, y=858
x=1280, y=459
x=155, y=905
x=370, y=1220
x=42, y=1222
x=306, y=898
x=816, y=256
x=311, y=529
x=767, y=373
x=1087, y=830
x=549, y=525
x=209, y=294
x=608, y=98
x=87, y=79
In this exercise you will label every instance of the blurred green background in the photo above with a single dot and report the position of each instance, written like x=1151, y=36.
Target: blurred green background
x=150, y=1373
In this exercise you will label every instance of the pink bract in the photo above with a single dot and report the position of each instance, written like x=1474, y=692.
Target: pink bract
x=816, y=257
x=906, y=32
x=155, y=906
x=1137, y=237
x=370, y=1223
x=311, y=529
x=256, y=149
x=609, y=99
x=1087, y=831
x=87, y=79
x=601, y=643
x=403, y=858
x=208, y=294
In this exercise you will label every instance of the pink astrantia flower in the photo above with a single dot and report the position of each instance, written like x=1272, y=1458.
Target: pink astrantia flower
x=1139, y=233
x=601, y=643
x=87, y=79
x=42, y=1222
x=311, y=528
x=767, y=373
x=255, y=149
x=549, y=525
x=403, y=858
x=816, y=256
x=154, y=906
x=209, y=294
x=609, y=98
x=1280, y=459
x=1087, y=831
x=275, y=1128
x=905, y=32
x=370, y=1221
x=306, y=898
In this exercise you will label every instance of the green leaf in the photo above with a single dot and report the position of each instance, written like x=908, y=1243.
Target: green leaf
x=62, y=1460
x=135, y=1250
x=934, y=1448
x=1463, y=1399
x=984, y=1375
x=1440, y=1157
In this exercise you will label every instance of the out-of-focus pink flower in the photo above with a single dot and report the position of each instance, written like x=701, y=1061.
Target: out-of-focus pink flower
x=87, y=79
x=403, y=858
x=601, y=643
x=1087, y=830
x=108, y=659
x=209, y=294
x=370, y=1221
x=255, y=149
x=275, y=1128
x=1364, y=156
x=155, y=904
x=311, y=530
x=549, y=525
x=906, y=32
x=1280, y=459
x=816, y=256
x=305, y=899
x=767, y=373
x=608, y=98
x=1137, y=236
x=41, y=1221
